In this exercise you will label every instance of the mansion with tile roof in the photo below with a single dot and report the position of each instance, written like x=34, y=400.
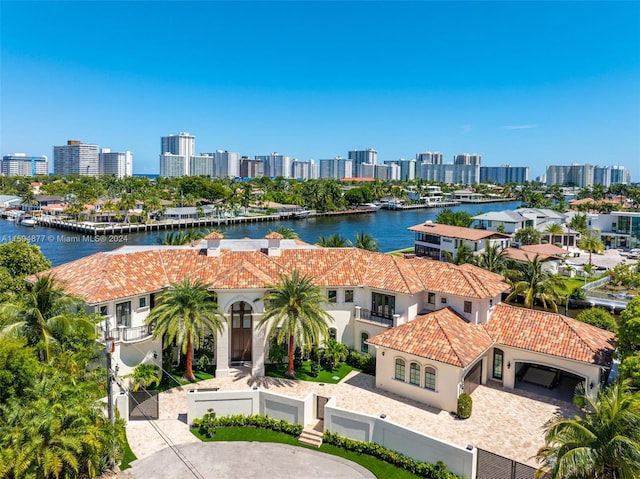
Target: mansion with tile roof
x=436, y=329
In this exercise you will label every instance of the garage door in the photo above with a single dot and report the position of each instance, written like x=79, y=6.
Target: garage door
x=473, y=378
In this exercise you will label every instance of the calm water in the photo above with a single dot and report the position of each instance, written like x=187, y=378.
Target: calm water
x=386, y=226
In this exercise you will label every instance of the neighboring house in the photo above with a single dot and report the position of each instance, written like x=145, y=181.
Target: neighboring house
x=10, y=201
x=434, y=239
x=551, y=255
x=189, y=212
x=368, y=294
x=439, y=355
x=539, y=218
x=618, y=229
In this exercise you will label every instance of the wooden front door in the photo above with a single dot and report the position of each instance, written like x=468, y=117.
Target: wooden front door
x=241, y=331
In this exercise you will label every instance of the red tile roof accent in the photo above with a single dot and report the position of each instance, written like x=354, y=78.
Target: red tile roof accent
x=214, y=235
x=448, y=231
x=274, y=235
x=441, y=336
x=544, y=249
x=122, y=273
x=550, y=333
x=518, y=254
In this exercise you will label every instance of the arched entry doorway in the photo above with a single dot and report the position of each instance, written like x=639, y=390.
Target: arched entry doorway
x=241, y=331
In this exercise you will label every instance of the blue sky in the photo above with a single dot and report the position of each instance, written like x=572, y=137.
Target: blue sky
x=521, y=83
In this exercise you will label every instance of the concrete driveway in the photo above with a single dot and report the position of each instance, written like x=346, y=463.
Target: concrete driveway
x=244, y=460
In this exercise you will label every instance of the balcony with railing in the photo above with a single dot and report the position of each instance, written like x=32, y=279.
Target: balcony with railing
x=137, y=333
x=375, y=317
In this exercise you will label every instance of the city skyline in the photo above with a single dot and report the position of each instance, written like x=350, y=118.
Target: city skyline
x=520, y=83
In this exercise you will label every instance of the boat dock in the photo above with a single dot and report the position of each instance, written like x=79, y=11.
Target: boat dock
x=439, y=204
x=95, y=229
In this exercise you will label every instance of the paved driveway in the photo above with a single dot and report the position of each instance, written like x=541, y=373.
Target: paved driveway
x=502, y=422
x=244, y=460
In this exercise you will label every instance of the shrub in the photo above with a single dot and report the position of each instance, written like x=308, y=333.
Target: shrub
x=206, y=426
x=277, y=352
x=465, y=403
x=365, y=362
x=422, y=469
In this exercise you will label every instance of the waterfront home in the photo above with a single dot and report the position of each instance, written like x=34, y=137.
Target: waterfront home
x=618, y=229
x=551, y=256
x=433, y=240
x=368, y=294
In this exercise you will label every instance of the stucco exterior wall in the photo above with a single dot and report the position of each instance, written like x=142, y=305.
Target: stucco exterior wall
x=448, y=378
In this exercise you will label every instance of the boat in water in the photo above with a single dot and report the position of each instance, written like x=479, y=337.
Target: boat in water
x=28, y=221
x=369, y=206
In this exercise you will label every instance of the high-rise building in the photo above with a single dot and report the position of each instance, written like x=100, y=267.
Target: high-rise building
x=360, y=157
x=202, y=165
x=19, y=164
x=435, y=158
x=467, y=159
x=115, y=163
x=451, y=173
x=337, y=168
x=227, y=164
x=276, y=165
x=407, y=169
x=504, y=174
x=304, y=170
x=176, y=148
x=76, y=158
x=570, y=175
x=251, y=168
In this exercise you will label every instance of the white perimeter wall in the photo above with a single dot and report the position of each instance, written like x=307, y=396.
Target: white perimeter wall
x=363, y=427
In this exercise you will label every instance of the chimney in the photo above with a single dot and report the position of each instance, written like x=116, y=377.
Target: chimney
x=213, y=243
x=274, y=243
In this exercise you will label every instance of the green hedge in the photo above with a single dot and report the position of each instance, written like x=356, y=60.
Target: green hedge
x=364, y=362
x=422, y=469
x=207, y=425
x=465, y=404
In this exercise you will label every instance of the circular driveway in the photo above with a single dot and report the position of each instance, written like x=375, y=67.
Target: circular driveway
x=244, y=460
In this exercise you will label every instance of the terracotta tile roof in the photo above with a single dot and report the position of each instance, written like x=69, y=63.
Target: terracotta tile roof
x=214, y=235
x=550, y=333
x=129, y=271
x=518, y=254
x=546, y=249
x=441, y=336
x=274, y=235
x=471, y=234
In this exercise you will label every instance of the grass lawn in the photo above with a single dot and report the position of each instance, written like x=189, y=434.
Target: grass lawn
x=176, y=374
x=127, y=456
x=304, y=373
x=379, y=468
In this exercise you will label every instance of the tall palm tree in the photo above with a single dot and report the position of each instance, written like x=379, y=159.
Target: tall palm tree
x=44, y=314
x=293, y=309
x=536, y=283
x=493, y=259
x=333, y=241
x=366, y=242
x=605, y=444
x=592, y=243
x=186, y=313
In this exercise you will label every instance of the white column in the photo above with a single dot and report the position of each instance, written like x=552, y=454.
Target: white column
x=257, y=346
x=222, y=351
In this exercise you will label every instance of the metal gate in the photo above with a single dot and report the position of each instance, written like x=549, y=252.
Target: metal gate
x=320, y=403
x=493, y=466
x=143, y=405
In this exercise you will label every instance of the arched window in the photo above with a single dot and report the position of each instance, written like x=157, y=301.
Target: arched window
x=364, y=347
x=333, y=333
x=414, y=374
x=400, y=370
x=430, y=378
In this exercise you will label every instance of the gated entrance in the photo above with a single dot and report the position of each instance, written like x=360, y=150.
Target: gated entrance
x=473, y=378
x=143, y=405
x=320, y=403
x=492, y=466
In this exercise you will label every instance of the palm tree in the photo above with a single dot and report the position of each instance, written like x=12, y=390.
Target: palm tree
x=592, y=243
x=44, y=313
x=334, y=352
x=366, y=242
x=493, y=259
x=554, y=230
x=293, y=307
x=287, y=233
x=333, y=241
x=145, y=375
x=186, y=313
x=463, y=255
x=605, y=444
x=536, y=283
